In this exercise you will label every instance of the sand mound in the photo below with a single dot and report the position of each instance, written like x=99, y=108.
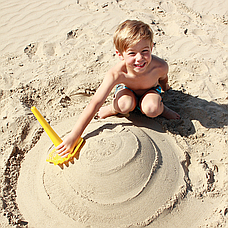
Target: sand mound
x=121, y=178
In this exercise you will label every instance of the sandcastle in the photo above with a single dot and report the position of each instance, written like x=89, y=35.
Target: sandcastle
x=126, y=175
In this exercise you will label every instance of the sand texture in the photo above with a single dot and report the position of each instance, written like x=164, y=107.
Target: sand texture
x=132, y=171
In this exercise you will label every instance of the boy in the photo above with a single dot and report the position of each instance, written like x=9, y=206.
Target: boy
x=139, y=77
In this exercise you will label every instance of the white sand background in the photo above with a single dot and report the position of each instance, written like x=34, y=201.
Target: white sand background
x=54, y=55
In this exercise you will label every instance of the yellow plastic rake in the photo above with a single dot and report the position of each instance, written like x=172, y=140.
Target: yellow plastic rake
x=53, y=156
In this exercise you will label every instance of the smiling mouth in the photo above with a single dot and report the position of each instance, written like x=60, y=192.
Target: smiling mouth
x=140, y=65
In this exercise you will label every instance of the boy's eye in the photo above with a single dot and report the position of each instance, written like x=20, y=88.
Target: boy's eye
x=131, y=53
x=144, y=51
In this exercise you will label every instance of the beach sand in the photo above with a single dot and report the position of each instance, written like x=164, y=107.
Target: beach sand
x=132, y=171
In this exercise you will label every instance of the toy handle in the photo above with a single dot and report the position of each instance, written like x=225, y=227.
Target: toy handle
x=51, y=133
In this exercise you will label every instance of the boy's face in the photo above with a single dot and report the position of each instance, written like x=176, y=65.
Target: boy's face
x=137, y=57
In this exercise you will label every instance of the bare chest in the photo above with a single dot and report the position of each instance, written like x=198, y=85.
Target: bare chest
x=141, y=85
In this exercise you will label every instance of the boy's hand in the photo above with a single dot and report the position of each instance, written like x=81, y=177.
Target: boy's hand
x=167, y=87
x=67, y=146
x=164, y=83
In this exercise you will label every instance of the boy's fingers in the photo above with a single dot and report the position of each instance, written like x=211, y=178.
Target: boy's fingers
x=59, y=146
x=64, y=152
x=63, y=155
x=60, y=150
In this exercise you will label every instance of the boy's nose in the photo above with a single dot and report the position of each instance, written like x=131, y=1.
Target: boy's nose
x=139, y=56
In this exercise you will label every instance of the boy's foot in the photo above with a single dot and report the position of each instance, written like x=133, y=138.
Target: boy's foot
x=170, y=114
x=106, y=111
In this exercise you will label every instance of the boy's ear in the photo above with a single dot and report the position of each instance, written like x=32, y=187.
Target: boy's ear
x=120, y=55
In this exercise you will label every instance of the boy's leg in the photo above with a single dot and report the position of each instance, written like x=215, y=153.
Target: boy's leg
x=124, y=102
x=152, y=106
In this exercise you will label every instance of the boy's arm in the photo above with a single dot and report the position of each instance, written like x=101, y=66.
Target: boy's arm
x=164, y=83
x=163, y=80
x=86, y=116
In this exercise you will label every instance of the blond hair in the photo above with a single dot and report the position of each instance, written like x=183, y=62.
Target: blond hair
x=131, y=32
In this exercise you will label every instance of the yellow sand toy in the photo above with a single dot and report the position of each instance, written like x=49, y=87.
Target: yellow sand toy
x=54, y=157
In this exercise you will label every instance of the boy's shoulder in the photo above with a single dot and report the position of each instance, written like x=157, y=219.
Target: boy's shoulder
x=158, y=61
x=118, y=69
x=159, y=64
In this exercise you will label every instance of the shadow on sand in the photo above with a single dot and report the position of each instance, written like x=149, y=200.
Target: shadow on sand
x=209, y=114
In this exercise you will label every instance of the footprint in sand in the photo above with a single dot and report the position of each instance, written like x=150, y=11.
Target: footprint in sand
x=49, y=49
x=31, y=49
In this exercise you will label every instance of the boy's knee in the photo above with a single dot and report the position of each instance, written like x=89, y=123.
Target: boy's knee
x=152, y=110
x=125, y=105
